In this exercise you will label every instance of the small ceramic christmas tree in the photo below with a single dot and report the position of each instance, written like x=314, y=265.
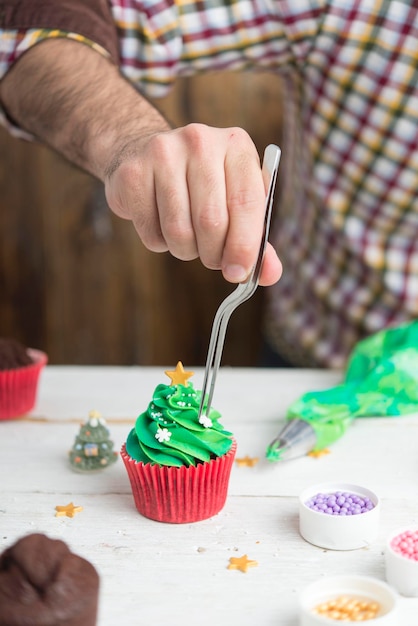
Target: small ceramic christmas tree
x=92, y=449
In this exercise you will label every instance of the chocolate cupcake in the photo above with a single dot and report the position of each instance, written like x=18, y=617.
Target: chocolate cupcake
x=19, y=374
x=42, y=583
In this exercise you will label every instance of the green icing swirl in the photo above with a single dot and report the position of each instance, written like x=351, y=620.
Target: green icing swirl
x=169, y=433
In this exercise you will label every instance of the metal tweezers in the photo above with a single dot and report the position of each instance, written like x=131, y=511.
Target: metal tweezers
x=244, y=291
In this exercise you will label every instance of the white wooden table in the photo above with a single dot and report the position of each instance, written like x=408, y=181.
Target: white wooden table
x=154, y=573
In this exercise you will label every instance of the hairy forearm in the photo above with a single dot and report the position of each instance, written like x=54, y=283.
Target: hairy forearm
x=75, y=100
x=193, y=191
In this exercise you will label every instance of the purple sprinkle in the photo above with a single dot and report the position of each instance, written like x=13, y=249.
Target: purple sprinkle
x=340, y=503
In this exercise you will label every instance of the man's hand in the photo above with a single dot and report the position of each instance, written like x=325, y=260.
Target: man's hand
x=195, y=191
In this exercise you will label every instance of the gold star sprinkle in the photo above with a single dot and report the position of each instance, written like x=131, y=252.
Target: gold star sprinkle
x=316, y=454
x=179, y=376
x=247, y=460
x=69, y=510
x=243, y=563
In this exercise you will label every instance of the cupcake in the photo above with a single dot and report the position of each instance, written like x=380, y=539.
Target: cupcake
x=19, y=373
x=42, y=583
x=178, y=465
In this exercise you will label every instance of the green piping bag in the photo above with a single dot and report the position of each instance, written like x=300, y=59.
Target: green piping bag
x=381, y=381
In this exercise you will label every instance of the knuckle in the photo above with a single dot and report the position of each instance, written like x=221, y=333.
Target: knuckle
x=242, y=248
x=239, y=136
x=129, y=174
x=243, y=201
x=200, y=140
x=176, y=231
x=160, y=147
x=211, y=219
x=180, y=239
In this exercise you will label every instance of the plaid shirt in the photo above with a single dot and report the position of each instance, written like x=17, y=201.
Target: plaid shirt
x=346, y=226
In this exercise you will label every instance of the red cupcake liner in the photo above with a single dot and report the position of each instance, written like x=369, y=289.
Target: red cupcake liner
x=180, y=495
x=18, y=387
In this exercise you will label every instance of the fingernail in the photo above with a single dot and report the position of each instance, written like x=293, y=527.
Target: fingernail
x=235, y=273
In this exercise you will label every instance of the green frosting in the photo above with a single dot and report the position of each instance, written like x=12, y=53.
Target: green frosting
x=169, y=432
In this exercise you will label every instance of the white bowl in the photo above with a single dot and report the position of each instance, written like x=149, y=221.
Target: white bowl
x=401, y=572
x=338, y=532
x=360, y=587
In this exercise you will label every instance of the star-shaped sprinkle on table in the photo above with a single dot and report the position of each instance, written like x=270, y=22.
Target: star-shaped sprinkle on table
x=316, y=454
x=179, y=376
x=243, y=563
x=69, y=510
x=247, y=461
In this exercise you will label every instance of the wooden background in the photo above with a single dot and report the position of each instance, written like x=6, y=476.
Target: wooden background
x=77, y=282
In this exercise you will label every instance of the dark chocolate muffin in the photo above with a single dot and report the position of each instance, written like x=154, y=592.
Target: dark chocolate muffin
x=13, y=354
x=42, y=583
x=20, y=368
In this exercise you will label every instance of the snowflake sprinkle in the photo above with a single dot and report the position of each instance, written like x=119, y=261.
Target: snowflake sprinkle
x=205, y=421
x=163, y=434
